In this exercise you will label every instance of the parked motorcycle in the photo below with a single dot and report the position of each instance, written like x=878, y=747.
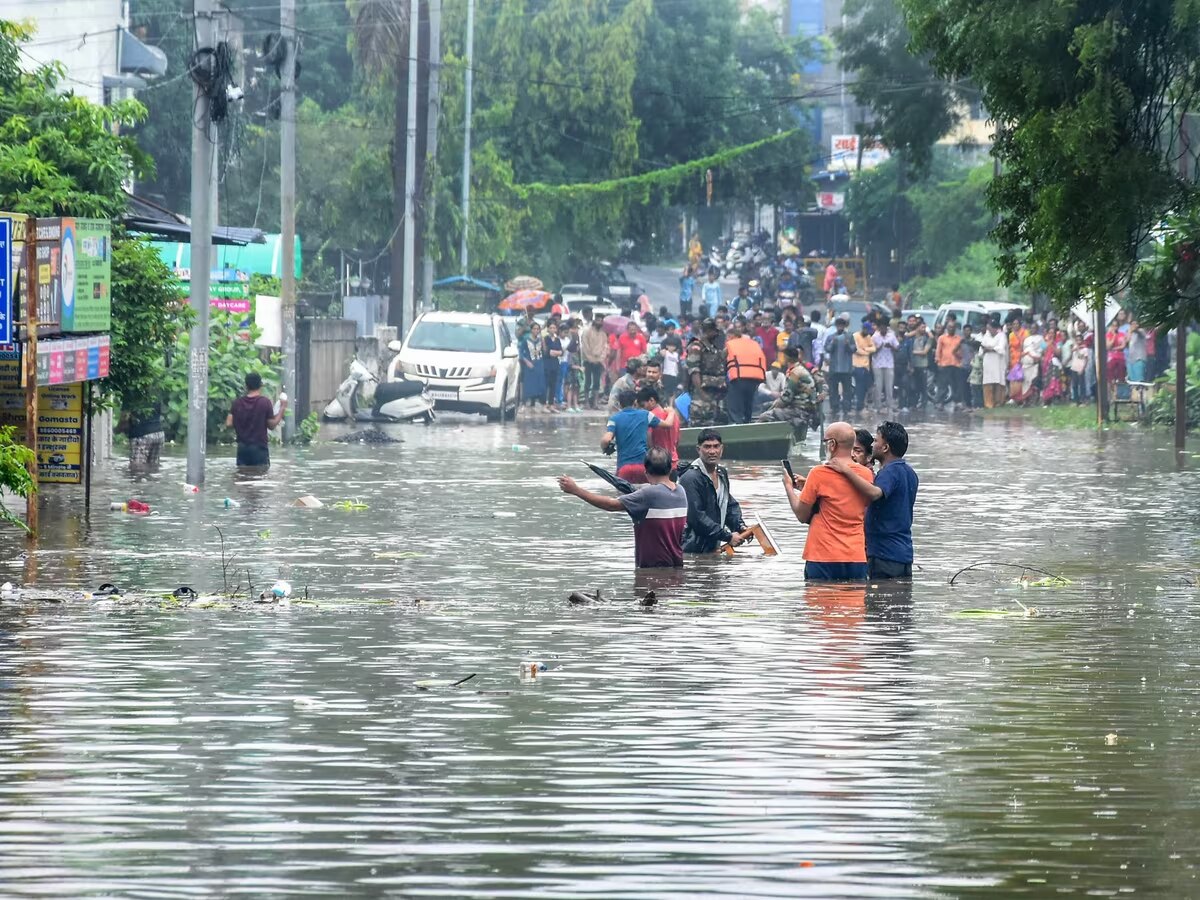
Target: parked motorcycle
x=361, y=398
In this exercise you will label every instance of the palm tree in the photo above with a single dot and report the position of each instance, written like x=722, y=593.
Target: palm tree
x=380, y=45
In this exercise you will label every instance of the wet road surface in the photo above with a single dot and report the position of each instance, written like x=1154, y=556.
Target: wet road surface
x=751, y=736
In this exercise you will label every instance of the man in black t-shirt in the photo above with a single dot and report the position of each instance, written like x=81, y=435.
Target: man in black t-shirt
x=251, y=417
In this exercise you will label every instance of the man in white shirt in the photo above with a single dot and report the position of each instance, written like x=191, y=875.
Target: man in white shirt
x=994, y=347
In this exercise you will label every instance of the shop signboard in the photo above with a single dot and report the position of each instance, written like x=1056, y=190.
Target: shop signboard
x=60, y=434
x=74, y=269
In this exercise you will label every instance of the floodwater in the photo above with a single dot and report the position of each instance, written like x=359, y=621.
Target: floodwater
x=750, y=736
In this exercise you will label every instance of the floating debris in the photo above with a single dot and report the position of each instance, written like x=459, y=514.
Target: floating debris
x=308, y=501
x=355, y=505
x=367, y=436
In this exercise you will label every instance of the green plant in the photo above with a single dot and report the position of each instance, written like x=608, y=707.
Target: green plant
x=146, y=318
x=1161, y=410
x=306, y=431
x=231, y=355
x=15, y=460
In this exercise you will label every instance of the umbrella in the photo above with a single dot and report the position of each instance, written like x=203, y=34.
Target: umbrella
x=525, y=299
x=524, y=283
x=616, y=324
x=622, y=486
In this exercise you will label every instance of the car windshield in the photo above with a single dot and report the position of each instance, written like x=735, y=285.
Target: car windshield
x=458, y=337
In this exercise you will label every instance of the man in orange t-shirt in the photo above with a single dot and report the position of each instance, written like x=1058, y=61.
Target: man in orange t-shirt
x=833, y=510
x=949, y=363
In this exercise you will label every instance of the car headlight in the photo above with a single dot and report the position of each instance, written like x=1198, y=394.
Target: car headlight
x=408, y=368
x=484, y=372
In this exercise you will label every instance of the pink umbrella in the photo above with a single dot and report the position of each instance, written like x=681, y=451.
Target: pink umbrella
x=616, y=324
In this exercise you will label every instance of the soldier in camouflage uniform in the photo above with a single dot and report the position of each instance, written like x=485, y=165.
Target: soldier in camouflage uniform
x=706, y=377
x=800, y=403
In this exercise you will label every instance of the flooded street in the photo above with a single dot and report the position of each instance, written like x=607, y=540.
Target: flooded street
x=748, y=737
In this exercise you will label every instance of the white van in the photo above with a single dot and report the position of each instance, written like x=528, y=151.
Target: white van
x=975, y=314
x=468, y=360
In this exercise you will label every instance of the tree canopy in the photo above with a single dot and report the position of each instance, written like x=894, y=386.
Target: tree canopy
x=1087, y=99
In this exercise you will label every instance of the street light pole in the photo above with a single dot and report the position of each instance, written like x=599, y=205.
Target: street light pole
x=408, y=312
x=287, y=207
x=466, y=167
x=204, y=142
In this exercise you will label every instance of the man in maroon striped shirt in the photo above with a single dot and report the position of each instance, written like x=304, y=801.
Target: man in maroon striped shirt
x=658, y=511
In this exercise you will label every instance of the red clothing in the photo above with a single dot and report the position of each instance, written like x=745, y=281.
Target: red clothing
x=667, y=438
x=769, y=337
x=629, y=346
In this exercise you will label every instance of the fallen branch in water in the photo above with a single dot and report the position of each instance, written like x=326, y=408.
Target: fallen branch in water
x=1023, y=568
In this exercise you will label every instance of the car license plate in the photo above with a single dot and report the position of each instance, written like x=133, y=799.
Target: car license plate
x=444, y=395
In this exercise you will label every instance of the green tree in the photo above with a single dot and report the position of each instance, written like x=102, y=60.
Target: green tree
x=912, y=109
x=1087, y=98
x=147, y=317
x=953, y=214
x=972, y=275
x=166, y=134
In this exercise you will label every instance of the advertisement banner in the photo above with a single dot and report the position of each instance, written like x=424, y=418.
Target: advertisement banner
x=86, y=275
x=73, y=359
x=60, y=434
x=60, y=421
x=6, y=280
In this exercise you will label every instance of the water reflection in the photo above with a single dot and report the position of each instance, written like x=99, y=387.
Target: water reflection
x=749, y=736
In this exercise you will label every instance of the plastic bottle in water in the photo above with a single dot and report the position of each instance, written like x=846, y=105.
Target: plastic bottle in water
x=530, y=668
x=118, y=507
x=519, y=448
x=230, y=503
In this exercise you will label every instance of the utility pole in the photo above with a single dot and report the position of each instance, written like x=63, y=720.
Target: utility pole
x=204, y=142
x=1099, y=345
x=287, y=207
x=464, y=260
x=408, y=311
x=431, y=138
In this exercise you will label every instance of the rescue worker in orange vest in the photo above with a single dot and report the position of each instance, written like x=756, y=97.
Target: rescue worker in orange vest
x=746, y=365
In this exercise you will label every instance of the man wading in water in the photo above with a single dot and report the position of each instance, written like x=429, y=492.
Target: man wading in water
x=251, y=417
x=658, y=510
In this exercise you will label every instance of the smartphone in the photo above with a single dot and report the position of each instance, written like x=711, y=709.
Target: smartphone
x=787, y=467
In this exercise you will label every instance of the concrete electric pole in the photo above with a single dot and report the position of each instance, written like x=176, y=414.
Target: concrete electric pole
x=463, y=259
x=431, y=139
x=408, y=294
x=204, y=144
x=287, y=207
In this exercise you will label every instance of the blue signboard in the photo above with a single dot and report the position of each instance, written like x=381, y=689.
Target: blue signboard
x=6, y=304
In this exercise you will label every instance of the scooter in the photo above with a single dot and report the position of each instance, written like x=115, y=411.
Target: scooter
x=394, y=401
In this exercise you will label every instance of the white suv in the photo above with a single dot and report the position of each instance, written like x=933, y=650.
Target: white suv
x=468, y=360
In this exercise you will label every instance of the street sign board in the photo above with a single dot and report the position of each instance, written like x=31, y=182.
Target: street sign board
x=6, y=281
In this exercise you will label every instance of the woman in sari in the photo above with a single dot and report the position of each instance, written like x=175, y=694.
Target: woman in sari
x=533, y=370
x=1052, y=367
x=1016, y=344
x=1114, y=371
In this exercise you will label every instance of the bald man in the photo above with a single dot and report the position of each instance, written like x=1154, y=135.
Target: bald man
x=833, y=509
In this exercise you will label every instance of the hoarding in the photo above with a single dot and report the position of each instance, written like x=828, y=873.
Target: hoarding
x=6, y=280
x=60, y=421
x=74, y=269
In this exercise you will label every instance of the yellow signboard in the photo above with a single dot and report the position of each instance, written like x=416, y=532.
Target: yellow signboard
x=60, y=433
x=60, y=422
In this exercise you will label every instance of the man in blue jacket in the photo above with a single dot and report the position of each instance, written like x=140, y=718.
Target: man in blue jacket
x=714, y=518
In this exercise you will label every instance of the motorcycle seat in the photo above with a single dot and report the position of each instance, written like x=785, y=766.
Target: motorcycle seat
x=397, y=390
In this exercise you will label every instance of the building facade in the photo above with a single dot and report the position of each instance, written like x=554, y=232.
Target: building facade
x=90, y=38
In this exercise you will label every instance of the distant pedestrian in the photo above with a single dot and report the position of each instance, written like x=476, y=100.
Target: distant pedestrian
x=143, y=427
x=251, y=417
x=712, y=293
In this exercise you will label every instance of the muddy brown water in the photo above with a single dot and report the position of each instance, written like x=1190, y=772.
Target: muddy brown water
x=751, y=736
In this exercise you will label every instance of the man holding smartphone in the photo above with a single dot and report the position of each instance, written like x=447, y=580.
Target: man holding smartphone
x=833, y=509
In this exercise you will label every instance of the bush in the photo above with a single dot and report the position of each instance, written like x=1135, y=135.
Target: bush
x=1161, y=410
x=231, y=355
